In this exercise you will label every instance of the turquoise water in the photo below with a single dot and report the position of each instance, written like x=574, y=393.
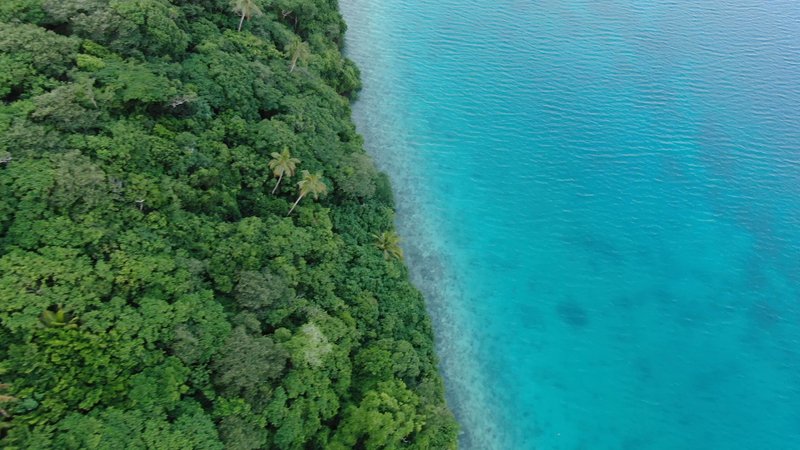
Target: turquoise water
x=601, y=200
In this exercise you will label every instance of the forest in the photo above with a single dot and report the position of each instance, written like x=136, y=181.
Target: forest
x=195, y=250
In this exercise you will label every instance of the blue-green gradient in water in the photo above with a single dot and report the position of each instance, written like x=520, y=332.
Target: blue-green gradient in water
x=601, y=200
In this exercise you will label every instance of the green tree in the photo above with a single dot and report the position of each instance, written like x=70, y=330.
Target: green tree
x=246, y=363
x=384, y=419
x=389, y=243
x=282, y=164
x=356, y=176
x=310, y=184
x=298, y=51
x=247, y=8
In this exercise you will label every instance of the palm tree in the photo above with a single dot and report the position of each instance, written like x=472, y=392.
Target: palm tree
x=5, y=399
x=282, y=164
x=247, y=8
x=58, y=319
x=310, y=184
x=298, y=51
x=389, y=243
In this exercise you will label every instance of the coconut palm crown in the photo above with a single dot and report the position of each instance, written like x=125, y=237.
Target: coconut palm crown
x=311, y=183
x=282, y=164
x=247, y=8
x=389, y=243
x=298, y=51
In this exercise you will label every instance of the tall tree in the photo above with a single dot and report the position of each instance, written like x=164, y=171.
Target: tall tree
x=389, y=243
x=282, y=164
x=310, y=184
x=298, y=51
x=247, y=8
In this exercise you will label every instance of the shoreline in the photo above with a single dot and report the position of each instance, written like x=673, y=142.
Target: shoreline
x=387, y=139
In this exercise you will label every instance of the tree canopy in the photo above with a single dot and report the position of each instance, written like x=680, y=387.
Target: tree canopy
x=154, y=294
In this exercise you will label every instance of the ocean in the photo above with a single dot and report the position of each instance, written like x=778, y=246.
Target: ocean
x=601, y=203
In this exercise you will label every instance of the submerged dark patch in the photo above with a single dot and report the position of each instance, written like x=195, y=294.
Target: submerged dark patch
x=572, y=314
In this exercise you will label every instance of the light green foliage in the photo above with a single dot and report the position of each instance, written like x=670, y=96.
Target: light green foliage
x=136, y=82
x=388, y=242
x=246, y=9
x=298, y=52
x=311, y=183
x=384, y=419
x=153, y=293
x=388, y=358
x=114, y=429
x=58, y=319
x=282, y=164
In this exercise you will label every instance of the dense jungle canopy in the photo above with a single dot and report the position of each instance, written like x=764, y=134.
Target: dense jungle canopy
x=154, y=292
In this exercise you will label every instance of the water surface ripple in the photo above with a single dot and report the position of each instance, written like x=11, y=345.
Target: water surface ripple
x=601, y=201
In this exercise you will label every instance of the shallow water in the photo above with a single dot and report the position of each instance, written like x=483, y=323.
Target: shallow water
x=601, y=201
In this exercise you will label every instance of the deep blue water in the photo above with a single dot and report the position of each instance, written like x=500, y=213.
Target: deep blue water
x=601, y=200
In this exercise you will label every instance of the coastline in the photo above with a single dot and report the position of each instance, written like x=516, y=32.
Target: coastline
x=598, y=207
x=388, y=134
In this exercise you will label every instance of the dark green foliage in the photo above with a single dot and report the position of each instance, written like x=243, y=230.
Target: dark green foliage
x=356, y=176
x=153, y=292
x=32, y=59
x=245, y=364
